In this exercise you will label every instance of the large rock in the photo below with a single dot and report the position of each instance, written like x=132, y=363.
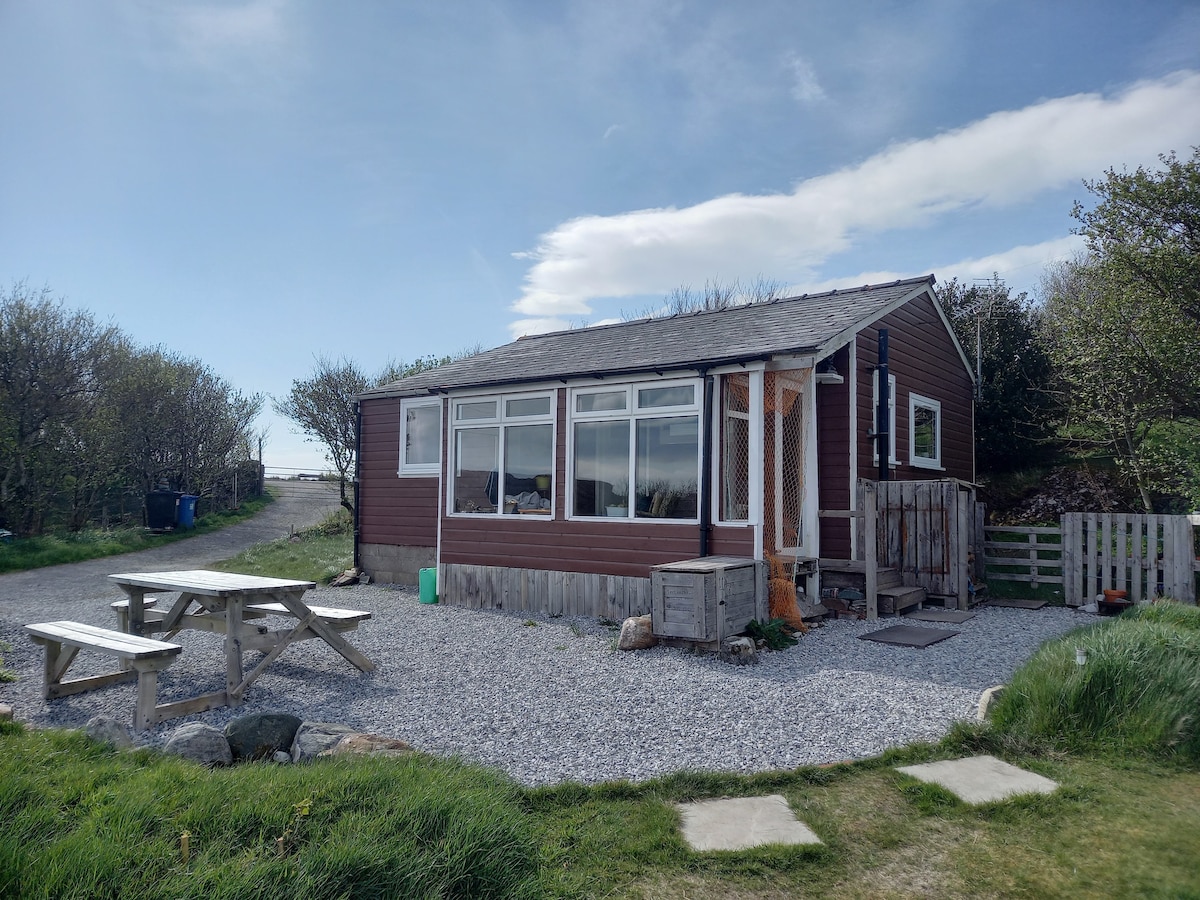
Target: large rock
x=636, y=634
x=259, y=735
x=314, y=737
x=200, y=743
x=6, y=712
x=367, y=745
x=108, y=731
x=740, y=651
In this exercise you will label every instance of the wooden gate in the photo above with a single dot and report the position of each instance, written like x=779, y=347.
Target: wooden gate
x=927, y=530
x=1148, y=556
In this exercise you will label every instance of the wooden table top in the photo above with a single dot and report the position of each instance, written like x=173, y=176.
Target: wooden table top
x=209, y=583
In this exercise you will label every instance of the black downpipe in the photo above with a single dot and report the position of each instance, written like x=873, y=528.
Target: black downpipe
x=357, y=473
x=882, y=417
x=705, y=462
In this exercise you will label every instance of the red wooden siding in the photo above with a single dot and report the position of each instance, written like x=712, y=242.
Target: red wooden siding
x=924, y=360
x=833, y=458
x=392, y=510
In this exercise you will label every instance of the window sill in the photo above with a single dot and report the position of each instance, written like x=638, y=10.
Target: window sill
x=931, y=465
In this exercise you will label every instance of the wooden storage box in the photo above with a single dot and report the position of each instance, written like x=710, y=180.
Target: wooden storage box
x=707, y=599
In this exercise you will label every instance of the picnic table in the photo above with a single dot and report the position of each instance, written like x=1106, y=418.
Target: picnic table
x=234, y=606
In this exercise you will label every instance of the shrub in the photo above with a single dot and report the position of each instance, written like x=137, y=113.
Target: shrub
x=776, y=633
x=1138, y=692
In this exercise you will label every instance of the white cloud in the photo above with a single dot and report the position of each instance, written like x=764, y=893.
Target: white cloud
x=1004, y=159
x=806, y=88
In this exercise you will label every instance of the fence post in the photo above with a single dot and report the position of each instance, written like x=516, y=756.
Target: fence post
x=871, y=550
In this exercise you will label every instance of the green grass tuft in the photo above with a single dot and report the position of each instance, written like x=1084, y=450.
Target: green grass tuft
x=82, y=820
x=319, y=553
x=1138, y=694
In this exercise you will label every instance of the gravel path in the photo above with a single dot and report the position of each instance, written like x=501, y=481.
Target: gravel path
x=551, y=700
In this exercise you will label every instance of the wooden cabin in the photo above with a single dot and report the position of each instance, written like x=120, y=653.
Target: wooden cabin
x=552, y=473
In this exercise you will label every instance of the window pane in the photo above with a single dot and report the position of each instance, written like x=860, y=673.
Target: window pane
x=422, y=438
x=601, y=468
x=527, y=406
x=479, y=409
x=668, y=451
x=925, y=432
x=475, y=477
x=528, y=462
x=681, y=395
x=735, y=449
x=599, y=402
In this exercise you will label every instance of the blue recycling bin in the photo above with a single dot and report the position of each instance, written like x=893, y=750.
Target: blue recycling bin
x=187, y=511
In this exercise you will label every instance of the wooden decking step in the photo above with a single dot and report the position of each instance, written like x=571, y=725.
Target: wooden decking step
x=896, y=599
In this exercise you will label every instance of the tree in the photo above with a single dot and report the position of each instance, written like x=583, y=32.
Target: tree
x=1145, y=231
x=715, y=294
x=1126, y=372
x=325, y=408
x=1015, y=410
x=49, y=359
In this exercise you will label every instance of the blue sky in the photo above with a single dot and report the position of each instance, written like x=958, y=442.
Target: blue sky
x=255, y=183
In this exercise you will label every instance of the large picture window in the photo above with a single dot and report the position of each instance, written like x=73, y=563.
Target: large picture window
x=503, y=455
x=925, y=432
x=420, y=436
x=636, y=450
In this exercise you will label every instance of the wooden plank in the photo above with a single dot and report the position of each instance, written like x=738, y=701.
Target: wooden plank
x=1090, y=573
x=870, y=522
x=1137, y=558
x=1072, y=581
x=960, y=552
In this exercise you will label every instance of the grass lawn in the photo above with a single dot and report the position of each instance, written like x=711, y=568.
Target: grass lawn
x=319, y=554
x=83, y=820
x=94, y=543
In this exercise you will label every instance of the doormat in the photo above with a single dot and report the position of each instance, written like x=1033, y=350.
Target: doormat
x=908, y=636
x=954, y=616
x=1018, y=604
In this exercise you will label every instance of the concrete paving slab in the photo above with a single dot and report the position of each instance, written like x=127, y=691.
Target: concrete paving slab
x=742, y=822
x=908, y=636
x=980, y=779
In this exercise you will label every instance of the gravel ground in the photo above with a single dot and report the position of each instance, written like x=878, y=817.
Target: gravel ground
x=552, y=700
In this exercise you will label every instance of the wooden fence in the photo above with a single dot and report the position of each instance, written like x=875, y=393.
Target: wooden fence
x=926, y=530
x=1148, y=556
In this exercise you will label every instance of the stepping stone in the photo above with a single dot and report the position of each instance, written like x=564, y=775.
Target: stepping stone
x=980, y=779
x=953, y=616
x=741, y=823
x=908, y=636
x=1018, y=604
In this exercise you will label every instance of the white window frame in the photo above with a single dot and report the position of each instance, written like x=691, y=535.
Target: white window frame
x=501, y=421
x=632, y=413
x=935, y=406
x=892, y=461
x=419, y=470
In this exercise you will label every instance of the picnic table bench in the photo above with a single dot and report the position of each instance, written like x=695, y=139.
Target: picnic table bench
x=141, y=659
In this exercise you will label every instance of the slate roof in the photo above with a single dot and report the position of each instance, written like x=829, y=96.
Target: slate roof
x=758, y=331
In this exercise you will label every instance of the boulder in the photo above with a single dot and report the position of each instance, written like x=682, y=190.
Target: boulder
x=200, y=743
x=636, y=634
x=281, y=757
x=259, y=735
x=6, y=712
x=740, y=651
x=313, y=737
x=108, y=731
x=367, y=745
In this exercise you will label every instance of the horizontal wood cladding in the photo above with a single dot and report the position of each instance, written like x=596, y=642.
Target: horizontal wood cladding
x=554, y=592
x=600, y=547
x=392, y=510
x=922, y=356
x=833, y=458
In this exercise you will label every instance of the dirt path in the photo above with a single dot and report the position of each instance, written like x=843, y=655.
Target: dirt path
x=297, y=504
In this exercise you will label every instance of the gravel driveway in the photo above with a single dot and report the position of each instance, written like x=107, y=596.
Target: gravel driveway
x=550, y=700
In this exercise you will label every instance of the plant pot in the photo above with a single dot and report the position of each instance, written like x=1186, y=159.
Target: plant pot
x=1111, y=596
